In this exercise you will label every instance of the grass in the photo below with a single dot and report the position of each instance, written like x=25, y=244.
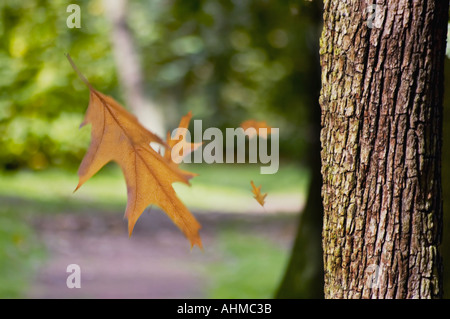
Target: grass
x=251, y=267
x=219, y=187
x=20, y=255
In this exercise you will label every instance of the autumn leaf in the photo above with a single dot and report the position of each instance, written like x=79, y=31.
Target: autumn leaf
x=258, y=196
x=116, y=135
x=257, y=125
x=180, y=146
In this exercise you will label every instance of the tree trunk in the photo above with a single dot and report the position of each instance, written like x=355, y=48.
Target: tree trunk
x=381, y=100
x=129, y=68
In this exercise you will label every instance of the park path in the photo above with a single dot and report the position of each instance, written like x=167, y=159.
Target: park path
x=155, y=262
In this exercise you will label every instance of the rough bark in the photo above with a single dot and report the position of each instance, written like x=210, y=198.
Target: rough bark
x=381, y=101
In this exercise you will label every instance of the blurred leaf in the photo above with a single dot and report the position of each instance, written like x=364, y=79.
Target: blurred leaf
x=260, y=198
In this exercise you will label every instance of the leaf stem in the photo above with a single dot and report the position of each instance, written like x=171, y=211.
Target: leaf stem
x=80, y=75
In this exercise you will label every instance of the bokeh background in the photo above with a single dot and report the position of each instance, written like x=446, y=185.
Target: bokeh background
x=226, y=61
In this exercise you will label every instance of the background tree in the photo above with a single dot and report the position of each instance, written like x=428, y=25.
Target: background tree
x=381, y=105
x=129, y=68
x=446, y=180
x=304, y=273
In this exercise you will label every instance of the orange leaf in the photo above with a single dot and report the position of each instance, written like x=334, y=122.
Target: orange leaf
x=258, y=196
x=256, y=125
x=117, y=135
x=181, y=144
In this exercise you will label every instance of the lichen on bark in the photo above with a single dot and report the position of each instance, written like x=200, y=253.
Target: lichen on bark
x=381, y=103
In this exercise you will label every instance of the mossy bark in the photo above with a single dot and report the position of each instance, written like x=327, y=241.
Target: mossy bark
x=381, y=103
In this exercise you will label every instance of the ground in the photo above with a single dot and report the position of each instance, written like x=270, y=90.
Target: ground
x=155, y=262
x=44, y=227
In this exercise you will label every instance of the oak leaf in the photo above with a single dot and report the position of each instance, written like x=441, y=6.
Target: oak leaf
x=116, y=135
x=260, y=198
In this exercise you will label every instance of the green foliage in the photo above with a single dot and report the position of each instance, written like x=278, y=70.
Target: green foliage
x=23, y=191
x=42, y=101
x=230, y=61
x=225, y=61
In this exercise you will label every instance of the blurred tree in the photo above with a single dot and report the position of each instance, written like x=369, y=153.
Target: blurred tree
x=228, y=61
x=381, y=102
x=304, y=274
x=130, y=69
x=446, y=178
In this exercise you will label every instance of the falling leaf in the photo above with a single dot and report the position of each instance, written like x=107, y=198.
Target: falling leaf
x=257, y=125
x=116, y=135
x=258, y=196
x=180, y=144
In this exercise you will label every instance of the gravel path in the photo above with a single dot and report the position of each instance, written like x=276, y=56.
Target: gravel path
x=155, y=262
